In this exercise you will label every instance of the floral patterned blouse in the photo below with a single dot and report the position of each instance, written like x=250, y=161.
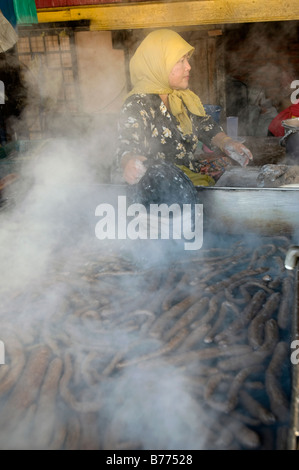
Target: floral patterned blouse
x=147, y=128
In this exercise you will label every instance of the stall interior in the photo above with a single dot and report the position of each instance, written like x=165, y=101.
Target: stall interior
x=139, y=344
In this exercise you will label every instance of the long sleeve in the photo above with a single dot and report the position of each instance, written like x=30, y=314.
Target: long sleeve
x=206, y=128
x=133, y=129
x=147, y=128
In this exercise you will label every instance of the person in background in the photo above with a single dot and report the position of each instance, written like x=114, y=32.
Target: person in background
x=162, y=119
x=275, y=128
x=15, y=95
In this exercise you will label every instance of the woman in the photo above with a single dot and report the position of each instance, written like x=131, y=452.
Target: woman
x=162, y=119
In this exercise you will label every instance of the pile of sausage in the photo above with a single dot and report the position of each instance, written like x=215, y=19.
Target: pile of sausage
x=220, y=320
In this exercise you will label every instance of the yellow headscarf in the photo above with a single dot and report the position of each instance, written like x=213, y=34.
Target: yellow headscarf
x=150, y=67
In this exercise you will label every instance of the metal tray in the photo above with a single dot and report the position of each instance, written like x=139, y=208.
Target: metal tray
x=266, y=211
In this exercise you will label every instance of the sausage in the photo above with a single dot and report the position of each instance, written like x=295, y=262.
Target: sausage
x=44, y=420
x=256, y=409
x=162, y=321
x=68, y=396
x=235, y=278
x=19, y=437
x=188, y=317
x=27, y=388
x=236, y=385
x=7, y=180
x=211, y=386
x=244, y=418
x=242, y=433
x=194, y=337
x=256, y=327
x=73, y=434
x=170, y=346
x=155, y=301
x=271, y=336
x=249, y=312
x=236, y=351
x=221, y=317
x=59, y=433
x=242, y=284
x=179, y=289
x=284, y=316
x=12, y=371
x=278, y=400
x=246, y=360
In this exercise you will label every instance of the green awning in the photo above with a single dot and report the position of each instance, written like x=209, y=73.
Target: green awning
x=25, y=11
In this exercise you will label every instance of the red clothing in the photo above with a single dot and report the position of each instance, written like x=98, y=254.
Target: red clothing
x=275, y=126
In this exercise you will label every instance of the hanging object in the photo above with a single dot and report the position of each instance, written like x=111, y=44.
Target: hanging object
x=25, y=11
x=8, y=36
x=7, y=9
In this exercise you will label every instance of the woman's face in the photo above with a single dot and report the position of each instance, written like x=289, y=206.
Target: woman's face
x=179, y=75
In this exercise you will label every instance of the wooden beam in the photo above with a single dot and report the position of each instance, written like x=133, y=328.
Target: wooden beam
x=175, y=13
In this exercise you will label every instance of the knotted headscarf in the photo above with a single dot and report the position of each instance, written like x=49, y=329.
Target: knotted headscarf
x=150, y=67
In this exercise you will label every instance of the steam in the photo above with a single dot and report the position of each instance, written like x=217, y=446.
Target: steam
x=60, y=290
x=259, y=73
x=165, y=415
x=48, y=249
x=266, y=42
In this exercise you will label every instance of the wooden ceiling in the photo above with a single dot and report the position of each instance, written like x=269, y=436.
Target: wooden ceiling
x=157, y=14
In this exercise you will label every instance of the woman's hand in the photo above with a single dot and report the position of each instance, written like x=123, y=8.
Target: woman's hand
x=238, y=152
x=235, y=150
x=134, y=169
